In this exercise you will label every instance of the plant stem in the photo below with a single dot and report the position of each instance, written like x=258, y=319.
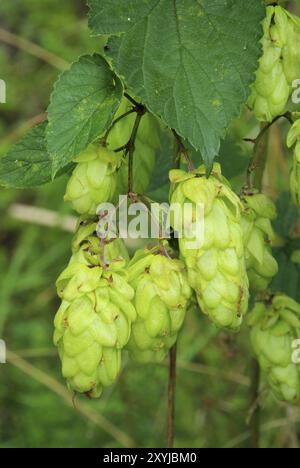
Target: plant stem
x=182, y=150
x=171, y=396
x=257, y=165
x=254, y=403
x=258, y=162
x=131, y=146
x=173, y=350
x=133, y=101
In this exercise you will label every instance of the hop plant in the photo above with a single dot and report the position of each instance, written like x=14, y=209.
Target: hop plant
x=257, y=214
x=146, y=144
x=93, y=323
x=216, y=269
x=162, y=295
x=94, y=179
x=278, y=66
x=274, y=326
x=294, y=137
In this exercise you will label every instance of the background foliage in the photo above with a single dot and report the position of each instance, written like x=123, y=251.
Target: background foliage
x=214, y=369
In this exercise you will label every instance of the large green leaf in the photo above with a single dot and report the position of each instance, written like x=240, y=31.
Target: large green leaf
x=28, y=163
x=83, y=105
x=113, y=16
x=191, y=61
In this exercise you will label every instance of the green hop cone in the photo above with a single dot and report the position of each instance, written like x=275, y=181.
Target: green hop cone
x=146, y=144
x=272, y=87
x=93, y=323
x=274, y=326
x=94, y=179
x=216, y=267
x=291, y=50
x=294, y=137
x=162, y=295
x=257, y=214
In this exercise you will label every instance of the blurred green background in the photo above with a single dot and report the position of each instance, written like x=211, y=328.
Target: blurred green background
x=214, y=395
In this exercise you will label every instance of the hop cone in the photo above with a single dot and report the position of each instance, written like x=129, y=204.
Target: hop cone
x=272, y=87
x=258, y=212
x=162, y=295
x=294, y=137
x=216, y=270
x=94, y=179
x=291, y=51
x=146, y=145
x=274, y=326
x=93, y=323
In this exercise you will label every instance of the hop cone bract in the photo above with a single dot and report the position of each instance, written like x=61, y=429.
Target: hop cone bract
x=274, y=326
x=257, y=214
x=216, y=269
x=162, y=294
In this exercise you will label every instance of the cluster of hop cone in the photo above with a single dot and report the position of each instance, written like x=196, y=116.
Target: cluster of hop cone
x=112, y=304
x=278, y=77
